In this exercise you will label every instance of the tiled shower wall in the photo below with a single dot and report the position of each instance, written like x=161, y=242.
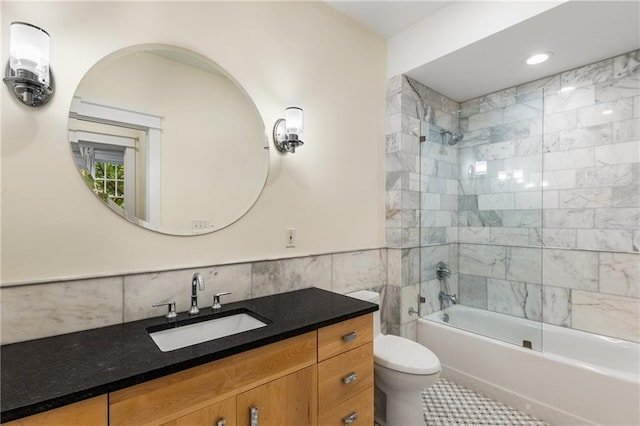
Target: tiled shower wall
x=48, y=309
x=500, y=215
x=556, y=236
x=422, y=200
x=573, y=228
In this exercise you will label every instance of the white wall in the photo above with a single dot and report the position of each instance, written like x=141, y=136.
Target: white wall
x=454, y=27
x=282, y=53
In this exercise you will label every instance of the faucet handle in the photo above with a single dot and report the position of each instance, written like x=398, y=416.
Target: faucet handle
x=216, y=299
x=171, y=305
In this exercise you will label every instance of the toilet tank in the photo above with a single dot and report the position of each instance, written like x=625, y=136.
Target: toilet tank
x=372, y=297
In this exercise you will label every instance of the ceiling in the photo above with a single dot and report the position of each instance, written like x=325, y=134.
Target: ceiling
x=576, y=32
x=387, y=18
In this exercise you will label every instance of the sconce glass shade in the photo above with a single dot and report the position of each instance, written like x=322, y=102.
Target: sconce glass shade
x=28, y=75
x=293, y=116
x=287, y=130
x=29, y=51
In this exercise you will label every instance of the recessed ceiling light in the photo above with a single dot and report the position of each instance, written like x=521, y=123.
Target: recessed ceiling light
x=567, y=89
x=607, y=112
x=537, y=58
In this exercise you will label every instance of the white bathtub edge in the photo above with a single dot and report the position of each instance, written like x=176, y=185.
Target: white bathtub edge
x=513, y=399
x=516, y=375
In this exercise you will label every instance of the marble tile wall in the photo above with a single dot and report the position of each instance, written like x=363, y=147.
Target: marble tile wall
x=422, y=199
x=402, y=164
x=573, y=211
x=48, y=309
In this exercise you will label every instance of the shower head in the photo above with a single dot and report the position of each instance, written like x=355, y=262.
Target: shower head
x=450, y=138
x=455, y=138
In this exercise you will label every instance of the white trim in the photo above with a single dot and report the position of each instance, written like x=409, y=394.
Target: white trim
x=83, y=109
x=153, y=170
x=82, y=135
x=130, y=200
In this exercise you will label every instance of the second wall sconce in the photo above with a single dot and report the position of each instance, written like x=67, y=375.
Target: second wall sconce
x=28, y=75
x=287, y=130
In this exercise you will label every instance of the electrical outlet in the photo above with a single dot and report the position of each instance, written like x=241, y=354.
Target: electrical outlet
x=291, y=237
x=199, y=225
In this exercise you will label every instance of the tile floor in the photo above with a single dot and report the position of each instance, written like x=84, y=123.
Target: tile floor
x=447, y=403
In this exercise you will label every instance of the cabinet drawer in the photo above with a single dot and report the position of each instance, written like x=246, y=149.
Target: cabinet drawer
x=344, y=376
x=338, y=338
x=361, y=405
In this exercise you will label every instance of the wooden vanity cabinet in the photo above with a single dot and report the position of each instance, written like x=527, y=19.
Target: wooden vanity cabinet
x=323, y=377
x=177, y=395
x=90, y=412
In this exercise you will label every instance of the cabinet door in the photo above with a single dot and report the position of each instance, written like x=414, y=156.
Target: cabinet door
x=223, y=412
x=90, y=412
x=290, y=400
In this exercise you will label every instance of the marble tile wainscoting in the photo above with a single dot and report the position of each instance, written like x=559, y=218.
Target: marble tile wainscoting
x=31, y=311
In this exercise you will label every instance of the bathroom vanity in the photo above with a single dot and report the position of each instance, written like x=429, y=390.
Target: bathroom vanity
x=312, y=364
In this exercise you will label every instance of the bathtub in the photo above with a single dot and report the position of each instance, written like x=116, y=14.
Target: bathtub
x=577, y=378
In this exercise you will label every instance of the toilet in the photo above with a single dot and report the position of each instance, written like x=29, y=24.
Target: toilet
x=402, y=369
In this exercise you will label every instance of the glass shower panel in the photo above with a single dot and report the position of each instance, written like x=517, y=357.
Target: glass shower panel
x=491, y=210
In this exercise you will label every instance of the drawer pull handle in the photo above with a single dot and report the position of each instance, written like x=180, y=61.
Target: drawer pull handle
x=350, y=337
x=254, y=416
x=349, y=378
x=350, y=418
x=222, y=422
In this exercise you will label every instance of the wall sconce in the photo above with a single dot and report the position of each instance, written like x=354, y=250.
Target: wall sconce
x=27, y=73
x=287, y=130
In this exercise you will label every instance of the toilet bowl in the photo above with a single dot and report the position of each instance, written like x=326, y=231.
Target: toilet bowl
x=402, y=369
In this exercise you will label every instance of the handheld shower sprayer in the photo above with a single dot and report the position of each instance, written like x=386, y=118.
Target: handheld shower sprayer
x=450, y=138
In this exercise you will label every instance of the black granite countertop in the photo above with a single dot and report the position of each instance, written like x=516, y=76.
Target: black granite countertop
x=47, y=373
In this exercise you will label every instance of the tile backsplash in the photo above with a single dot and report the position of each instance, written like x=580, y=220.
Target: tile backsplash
x=48, y=309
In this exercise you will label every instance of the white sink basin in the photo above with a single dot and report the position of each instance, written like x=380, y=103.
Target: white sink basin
x=187, y=335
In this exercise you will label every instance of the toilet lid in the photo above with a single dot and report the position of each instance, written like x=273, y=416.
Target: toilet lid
x=404, y=355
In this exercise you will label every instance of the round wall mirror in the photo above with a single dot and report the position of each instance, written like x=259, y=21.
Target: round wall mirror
x=168, y=140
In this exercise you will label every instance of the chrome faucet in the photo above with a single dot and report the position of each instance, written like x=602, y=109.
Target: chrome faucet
x=448, y=297
x=196, y=282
